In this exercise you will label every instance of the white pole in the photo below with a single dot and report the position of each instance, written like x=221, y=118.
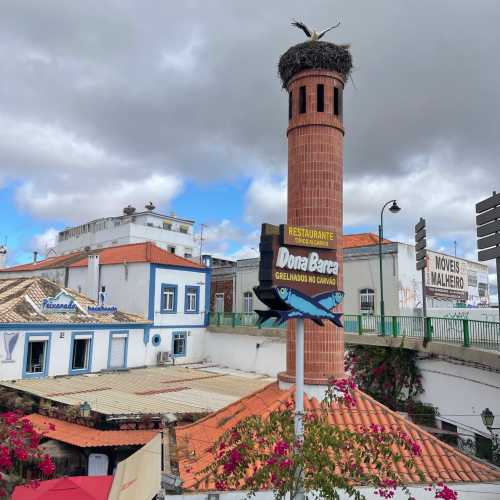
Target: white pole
x=299, y=392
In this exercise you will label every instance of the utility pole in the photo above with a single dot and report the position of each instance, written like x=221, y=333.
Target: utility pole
x=201, y=240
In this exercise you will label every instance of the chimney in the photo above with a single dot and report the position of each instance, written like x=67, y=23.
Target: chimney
x=315, y=178
x=35, y=256
x=3, y=256
x=93, y=277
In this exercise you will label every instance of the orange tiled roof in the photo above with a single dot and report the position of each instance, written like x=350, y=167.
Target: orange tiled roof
x=134, y=252
x=361, y=240
x=85, y=437
x=439, y=461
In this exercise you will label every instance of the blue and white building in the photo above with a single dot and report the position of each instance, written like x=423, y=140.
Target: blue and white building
x=169, y=292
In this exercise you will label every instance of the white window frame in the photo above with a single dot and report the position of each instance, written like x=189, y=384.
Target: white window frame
x=369, y=295
x=248, y=302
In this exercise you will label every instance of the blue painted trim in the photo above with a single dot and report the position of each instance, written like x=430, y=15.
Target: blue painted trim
x=73, y=371
x=196, y=289
x=170, y=327
x=125, y=360
x=27, y=337
x=165, y=286
x=145, y=336
x=183, y=354
x=208, y=292
x=151, y=295
x=73, y=326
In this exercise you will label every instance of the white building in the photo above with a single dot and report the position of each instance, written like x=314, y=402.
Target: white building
x=233, y=282
x=167, y=231
x=48, y=330
x=170, y=291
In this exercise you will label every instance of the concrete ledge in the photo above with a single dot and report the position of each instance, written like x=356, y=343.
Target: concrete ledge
x=474, y=355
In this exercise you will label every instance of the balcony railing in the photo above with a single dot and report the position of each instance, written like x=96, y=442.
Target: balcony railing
x=465, y=332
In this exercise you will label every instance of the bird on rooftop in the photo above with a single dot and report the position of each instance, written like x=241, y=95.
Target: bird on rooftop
x=313, y=35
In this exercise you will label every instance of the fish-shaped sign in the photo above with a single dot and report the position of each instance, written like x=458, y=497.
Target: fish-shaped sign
x=298, y=305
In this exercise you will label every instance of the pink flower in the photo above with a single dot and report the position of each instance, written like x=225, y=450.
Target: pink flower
x=46, y=466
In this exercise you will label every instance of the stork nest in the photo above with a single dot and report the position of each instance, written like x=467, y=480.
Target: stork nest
x=314, y=55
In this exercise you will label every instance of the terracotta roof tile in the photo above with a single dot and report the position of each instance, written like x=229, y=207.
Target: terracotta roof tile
x=361, y=240
x=439, y=461
x=86, y=437
x=21, y=302
x=134, y=252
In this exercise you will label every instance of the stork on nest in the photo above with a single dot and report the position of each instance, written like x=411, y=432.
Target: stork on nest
x=313, y=35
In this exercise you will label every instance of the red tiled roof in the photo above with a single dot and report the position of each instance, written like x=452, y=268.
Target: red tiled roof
x=438, y=462
x=85, y=437
x=134, y=252
x=362, y=240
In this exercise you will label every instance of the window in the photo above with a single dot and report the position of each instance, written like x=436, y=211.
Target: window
x=248, y=302
x=219, y=302
x=37, y=357
x=337, y=101
x=320, y=98
x=167, y=226
x=188, y=253
x=367, y=300
x=449, y=438
x=168, y=298
x=290, y=105
x=302, y=100
x=484, y=447
x=171, y=249
x=179, y=344
x=191, y=299
x=81, y=354
x=183, y=229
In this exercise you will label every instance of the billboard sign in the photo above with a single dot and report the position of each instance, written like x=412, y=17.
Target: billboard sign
x=446, y=277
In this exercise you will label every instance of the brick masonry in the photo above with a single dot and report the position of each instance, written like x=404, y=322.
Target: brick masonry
x=315, y=183
x=222, y=285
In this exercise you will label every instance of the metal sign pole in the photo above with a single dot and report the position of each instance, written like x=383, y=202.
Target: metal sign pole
x=424, y=304
x=299, y=395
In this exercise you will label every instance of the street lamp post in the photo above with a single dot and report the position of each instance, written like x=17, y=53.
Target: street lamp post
x=393, y=209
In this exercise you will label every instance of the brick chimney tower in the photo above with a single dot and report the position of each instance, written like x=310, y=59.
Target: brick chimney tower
x=314, y=74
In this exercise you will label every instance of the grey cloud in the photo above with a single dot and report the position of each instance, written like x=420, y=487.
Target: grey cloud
x=189, y=89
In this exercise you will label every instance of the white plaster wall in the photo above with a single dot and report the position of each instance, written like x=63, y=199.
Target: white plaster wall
x=363, y=272
x=181, y=279
x=127, y=285
x=460, y=392
x=409, y=281
x=246, y=279
x=195, y=345
x=57, y=275
x=240, y=352
x=60, y=348
x=465, y=491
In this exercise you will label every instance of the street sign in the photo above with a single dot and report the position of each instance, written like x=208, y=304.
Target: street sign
x=421, y=265
x=488, y=216
x=420, y=235
x=422, y=254
x=488, y=231
x=420, y=225
x=421, y=245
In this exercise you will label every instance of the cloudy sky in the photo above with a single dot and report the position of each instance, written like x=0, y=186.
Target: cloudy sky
x=106, y=103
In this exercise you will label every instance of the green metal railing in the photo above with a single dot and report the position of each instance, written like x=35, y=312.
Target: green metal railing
x=465, y=332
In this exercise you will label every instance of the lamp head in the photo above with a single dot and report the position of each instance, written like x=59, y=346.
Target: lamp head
x=85, y=409
x=395, y=208
x=488, y=418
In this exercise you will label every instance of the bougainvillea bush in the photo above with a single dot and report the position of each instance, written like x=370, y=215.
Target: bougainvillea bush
x=263, y=454
x=21, y=458
x=390, y=375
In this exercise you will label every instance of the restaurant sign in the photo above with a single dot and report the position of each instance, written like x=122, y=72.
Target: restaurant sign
x=63, y=302
x=446, y=277
x=298, y=275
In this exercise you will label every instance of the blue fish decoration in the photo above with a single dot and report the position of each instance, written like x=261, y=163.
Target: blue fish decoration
x=298, y=305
